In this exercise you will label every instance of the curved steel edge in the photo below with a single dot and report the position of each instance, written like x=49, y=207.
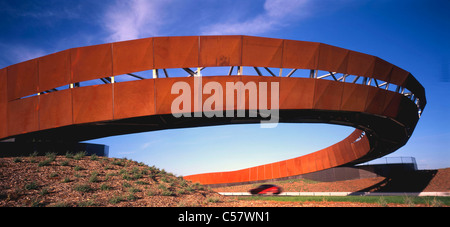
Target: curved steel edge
x=386, y=118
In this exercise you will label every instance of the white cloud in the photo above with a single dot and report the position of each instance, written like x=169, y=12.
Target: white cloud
x=132, y=19
x=277, y=13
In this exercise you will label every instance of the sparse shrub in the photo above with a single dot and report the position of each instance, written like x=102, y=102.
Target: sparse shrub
x=167, y=192
x=152, y=192
x=44, y=191
x=65, y=163
x=162, y=187
x=131, y=197
x=181, y=191
x=94, y=157
x=136, y=176
x=190, y=189
x=31, y=186
x=46, y=162
x=142, y=182
x=77, y=168
x=118, y=162
x=94, y=177
x=408, y=201
x=34, y=154
x=50, y=156
x=105, y=187
x=83, y=188
x=213, y=199
x=61, y=204
x=382, y=202
x=69, y=154
x=35, y=202
x=79, y=155
x=198, y=186
x=435, y=203
x=88, y=203
x=164, y=179
x=134, y=190
x=66, y=180
x=17, y=159
x=116, y=199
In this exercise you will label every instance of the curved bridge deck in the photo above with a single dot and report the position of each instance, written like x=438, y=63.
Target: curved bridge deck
x=44, y=99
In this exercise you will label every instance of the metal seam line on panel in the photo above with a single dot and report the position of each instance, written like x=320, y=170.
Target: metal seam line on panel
x=116, y=89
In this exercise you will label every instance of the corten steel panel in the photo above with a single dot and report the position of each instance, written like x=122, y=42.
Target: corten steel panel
x=300, y=54
x=262, y=52
x=308, y=163
x=3, y=103
x=328, y=95
x=318, y=157
x=297, y=93
x=332, y=157
x=132, y=56
x=267, y=92
x=346, y=154
x=375, y=100
x=360, y=64
x=253, y=174
x=298, y=165
x=221, y=82
x=134, y=99
x=261, y=172
x=93, y=103
x=303, y=164
x=324, y=156
x=290, y=167
x=163, y=96
x=91, y=62
x=220, y=51
x=407, y=113
x=23, y=116
x=268, y=174
x=176, y=52
x=354, y=97
x=347, y=148
x=355, y=134
x=361, y=147
x=276, y=170
x=54, y=70
x=283, y=168
x=416, y=88
x=22, y=79
x=232, y=176
x=243, y=175
x=332, y=59
x=398, y=76
x=382, y=69
x=339, y=154
x=391, y=104
x=55, y=109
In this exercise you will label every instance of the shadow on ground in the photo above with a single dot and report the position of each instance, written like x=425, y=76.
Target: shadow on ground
x=415, y=181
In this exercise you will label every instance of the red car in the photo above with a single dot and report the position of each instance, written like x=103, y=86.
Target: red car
x=266, y=189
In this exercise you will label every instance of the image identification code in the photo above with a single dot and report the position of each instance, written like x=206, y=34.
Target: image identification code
x=233, y=216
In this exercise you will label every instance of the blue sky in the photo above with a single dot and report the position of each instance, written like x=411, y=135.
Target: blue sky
x=411, y=34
